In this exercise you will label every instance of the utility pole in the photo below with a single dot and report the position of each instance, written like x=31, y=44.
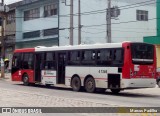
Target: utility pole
x=79, y=22
x=108, y=28
x=71, y=22
x=2, y=43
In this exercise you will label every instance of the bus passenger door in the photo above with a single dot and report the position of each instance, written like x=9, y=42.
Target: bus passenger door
x=61, y=68
x=38, y=66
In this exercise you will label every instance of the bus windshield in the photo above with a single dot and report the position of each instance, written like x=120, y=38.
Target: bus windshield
x=142, y=53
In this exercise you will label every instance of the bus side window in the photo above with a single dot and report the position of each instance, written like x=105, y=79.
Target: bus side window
x=118, y=56
x=98, y=55
x=16, y=60
x=49, y=61
x=74, y=57
x=115, y=55
x=28, y=61
x=93, y=55
x=88, y=57
x=104, y=57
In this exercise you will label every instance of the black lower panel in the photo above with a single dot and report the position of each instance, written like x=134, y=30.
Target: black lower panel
x=113, y=81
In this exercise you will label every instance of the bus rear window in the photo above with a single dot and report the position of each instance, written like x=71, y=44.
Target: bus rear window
x=142, y=53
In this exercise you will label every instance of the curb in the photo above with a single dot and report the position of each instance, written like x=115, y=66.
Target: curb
x=5, y=79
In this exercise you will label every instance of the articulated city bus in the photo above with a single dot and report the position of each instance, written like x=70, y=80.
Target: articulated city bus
x=114, y=66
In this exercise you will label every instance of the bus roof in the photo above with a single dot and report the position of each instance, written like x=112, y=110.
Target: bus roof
x=25, y=50
x=75, y=47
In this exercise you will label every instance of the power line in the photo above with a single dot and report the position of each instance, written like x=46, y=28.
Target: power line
x=87, y=26
x=104, y=37
x=82, y=31
x=106, y=24
x=122, y=28
x=90, y=32
x=104, y=10
x=116, y=31
x=99, y=11
x=114, y=23
x=137, y=3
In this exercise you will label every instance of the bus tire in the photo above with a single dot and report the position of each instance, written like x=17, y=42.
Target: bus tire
x=90, y=86
x=76, y=83
x=48, y=85
x=115, y=91
x=158, y=83
x=25, y=80
x=101, y=90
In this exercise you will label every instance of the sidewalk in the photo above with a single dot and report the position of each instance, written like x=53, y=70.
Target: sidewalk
x=7, y=77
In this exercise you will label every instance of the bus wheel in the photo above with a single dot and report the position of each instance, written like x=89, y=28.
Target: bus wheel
x=158, y=83
x=90, y=85
x=115, y=91
x=48, y=85
x=76, y=83
x=25, y=80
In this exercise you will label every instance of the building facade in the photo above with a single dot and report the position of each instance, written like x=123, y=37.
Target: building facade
x=156, y=39
x=37, y=23
x=47, y=23
x=137, y=19
x=10, y=31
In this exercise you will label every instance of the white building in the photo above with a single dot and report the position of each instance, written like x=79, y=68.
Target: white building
x=137, y=19
x=37, y=23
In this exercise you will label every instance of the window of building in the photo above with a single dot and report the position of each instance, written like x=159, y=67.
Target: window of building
x=31, y=14
x=50, y=10
x=32, y=34
x=142, y=15
x=50, y=32
x=11, y=18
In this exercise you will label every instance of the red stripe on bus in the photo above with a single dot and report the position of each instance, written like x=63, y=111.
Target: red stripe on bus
x=24, y=50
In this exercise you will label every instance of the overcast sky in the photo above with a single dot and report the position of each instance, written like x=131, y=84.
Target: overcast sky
x=10, y=1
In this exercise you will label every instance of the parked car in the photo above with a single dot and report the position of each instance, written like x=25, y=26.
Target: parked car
x=158, y=77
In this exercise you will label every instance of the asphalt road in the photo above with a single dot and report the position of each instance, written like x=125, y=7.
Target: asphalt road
x=130, y=98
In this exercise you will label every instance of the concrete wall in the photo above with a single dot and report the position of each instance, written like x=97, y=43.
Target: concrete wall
x=11, y=29
x=35, y=24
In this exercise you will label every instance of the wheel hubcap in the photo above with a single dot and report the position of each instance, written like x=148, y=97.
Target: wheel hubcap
x=25, y=79
x=90, y=85
x=75, y=83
